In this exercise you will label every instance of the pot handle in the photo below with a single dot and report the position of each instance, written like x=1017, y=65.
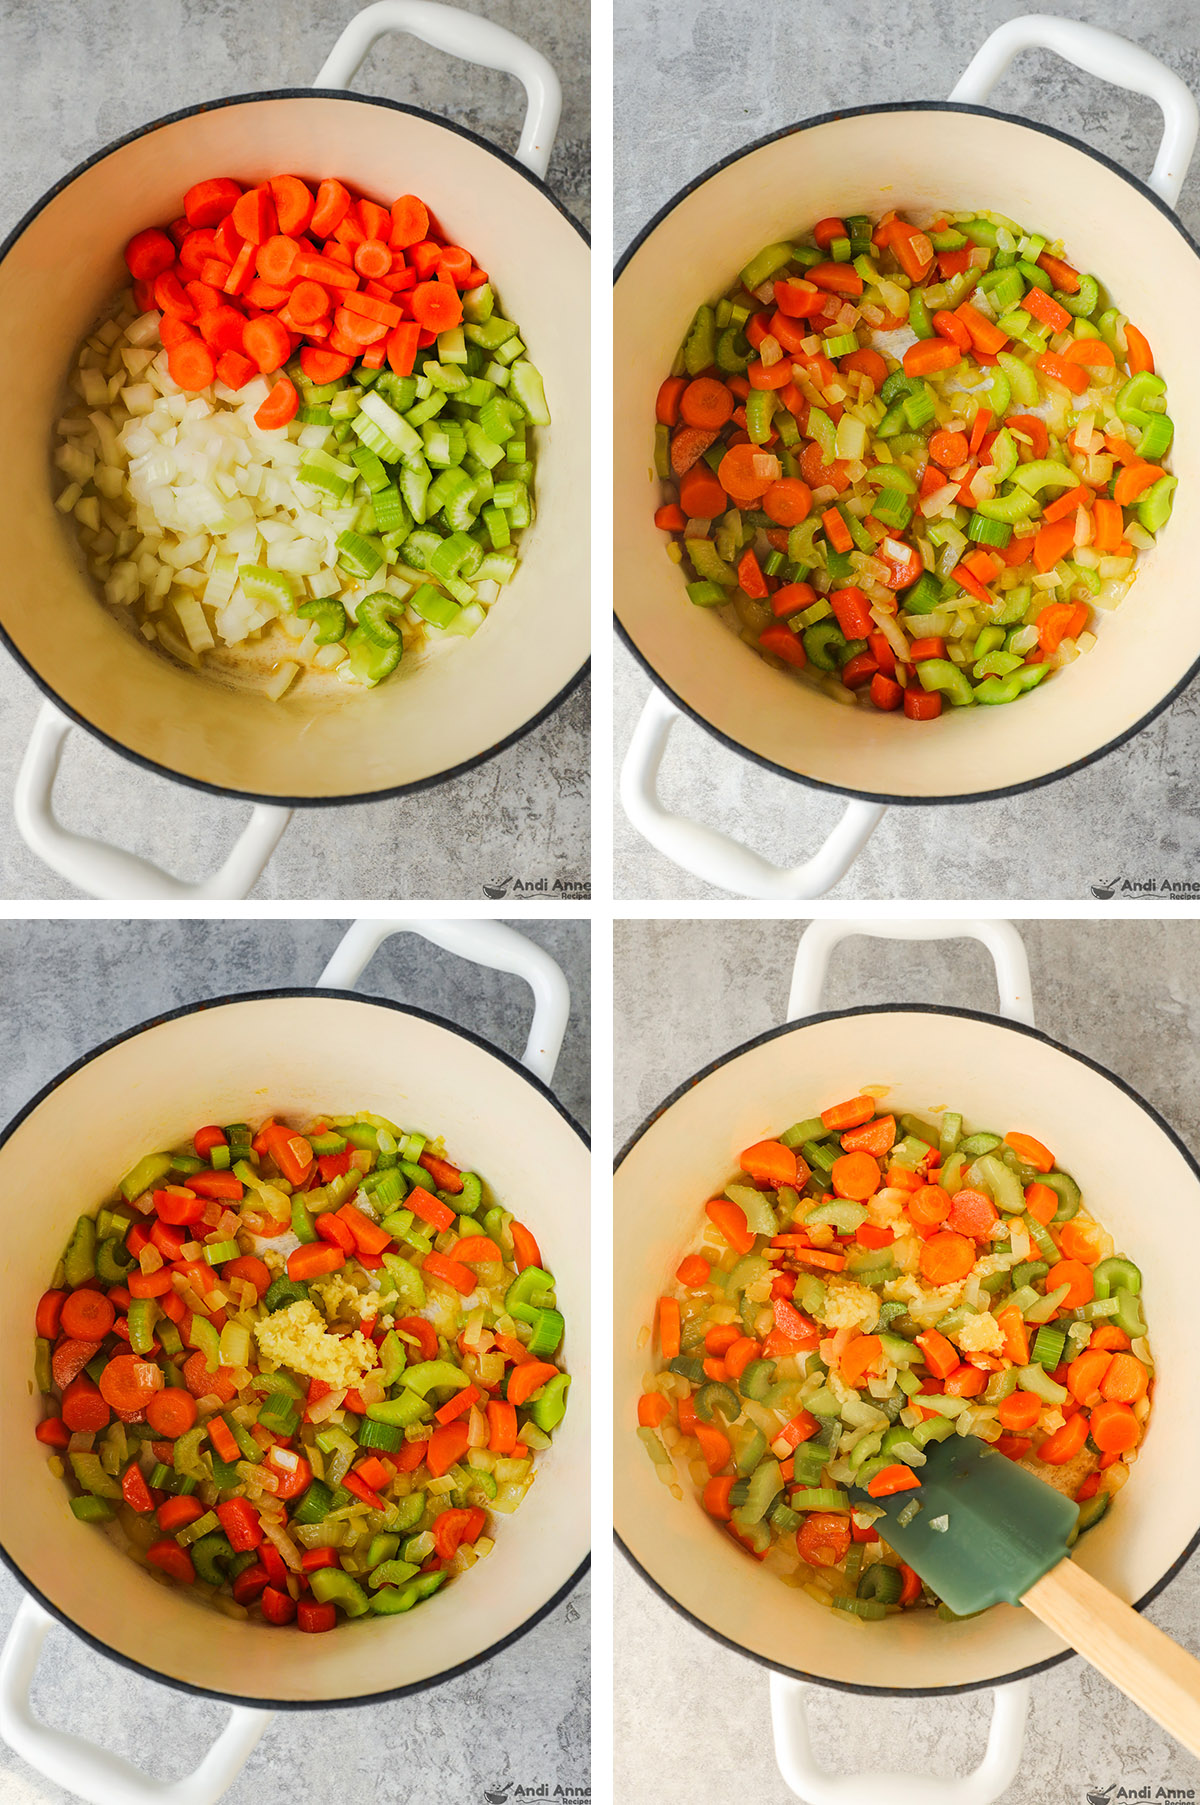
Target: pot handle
x=1112, y=59
x=1000, y=937
x=715, y=857
x=102, y=870
x=489, y=943
x=473, y=39
x=815, y=1784
x=92, y=1773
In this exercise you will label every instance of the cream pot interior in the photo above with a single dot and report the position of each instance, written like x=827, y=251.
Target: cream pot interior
x=1136, y=1179
x=241, y=1060
x=923, y=158
x=434, y=716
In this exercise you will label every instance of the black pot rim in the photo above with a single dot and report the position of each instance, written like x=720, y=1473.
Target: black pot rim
x=153, y=1673
x=395, y=791
x=768, y=764
x=833, y=1015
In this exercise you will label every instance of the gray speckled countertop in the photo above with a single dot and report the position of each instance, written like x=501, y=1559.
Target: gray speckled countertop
x=70, y=83
x=522, y=1718
x=696, y=82
x=716, y=984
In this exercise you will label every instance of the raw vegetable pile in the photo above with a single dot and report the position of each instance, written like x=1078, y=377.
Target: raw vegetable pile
x=368, y=496
x=913, y=460
x=297, y=1371
x=867, y=1286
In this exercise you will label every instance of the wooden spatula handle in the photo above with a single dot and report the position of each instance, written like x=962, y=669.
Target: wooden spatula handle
x=1148, y=1667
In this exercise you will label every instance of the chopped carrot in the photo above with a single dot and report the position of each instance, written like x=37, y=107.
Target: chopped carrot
x=965, y=1381
x=280, y=406
x=876, y=1138
x=701, y=494
x=128, y=1382
x=670, y=394
x=769, y=1163
x=730, y=1218
x=947, y=1257
x=1052, y=543
x=716, y=1497
x=652, y=1409
x=971, y=1213
x=1081, y=1241
x=856, y=1175
x=1078, y=1276
x=1065, y=1443
x=1060, y=273
x=823, y=1538
x=267, y=342
x=714, y=1446
x=1126, y=1381
x=927, y=1205
x=836, y=530
x=739, y=1356
x=941, y=1357
x=853, y=1114
x=1016, y=1335
x=948, y=449
x=1058, y=369
x=860, y=1357
x=668, y=1327
x=1020, y=1410
x=1140, y=356
x=985, y=334
x=892, y=1480
x=1114, y=1428
x=1044, y=307
x=929, y=355
x=1133, y=480
x=788, y=501
x=1085, y=1374
x=88, y=1314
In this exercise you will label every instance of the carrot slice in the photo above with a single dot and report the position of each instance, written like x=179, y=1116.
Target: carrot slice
x=410, y=222
x=946, y=1257
x=280, y=406
x=208, y=203
x=191, y=364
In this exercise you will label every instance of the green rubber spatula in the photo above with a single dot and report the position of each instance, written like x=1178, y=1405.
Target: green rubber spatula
x=988, y=1532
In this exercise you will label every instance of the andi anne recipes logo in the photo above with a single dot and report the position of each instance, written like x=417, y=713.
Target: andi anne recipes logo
x=508, y=1794
x=564, y=889
x=1115, y=1794
x=1147, y=889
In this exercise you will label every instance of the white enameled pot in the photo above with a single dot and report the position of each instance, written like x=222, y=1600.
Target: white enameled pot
x=994, y=1071
x=921, y=155
x=442, y=716
x=295, y=1053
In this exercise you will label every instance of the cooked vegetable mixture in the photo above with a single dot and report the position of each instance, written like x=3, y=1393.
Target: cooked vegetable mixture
x=298, y=1370
x=307, y=426
x=867, y=1285
x=911, y=460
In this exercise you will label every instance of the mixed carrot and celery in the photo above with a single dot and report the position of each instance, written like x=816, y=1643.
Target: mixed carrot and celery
x=912, y=461
x=867, y=1285
x=307, y=412
x=298, y=1371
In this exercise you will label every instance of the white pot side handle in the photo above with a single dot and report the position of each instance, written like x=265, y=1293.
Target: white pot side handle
x=105, y=871
x=489, y=943
x=817, y=1786
x=717, y=858
x=92, y=1773
x=1108, y=57
x=1000, y=937
x=473, y=39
